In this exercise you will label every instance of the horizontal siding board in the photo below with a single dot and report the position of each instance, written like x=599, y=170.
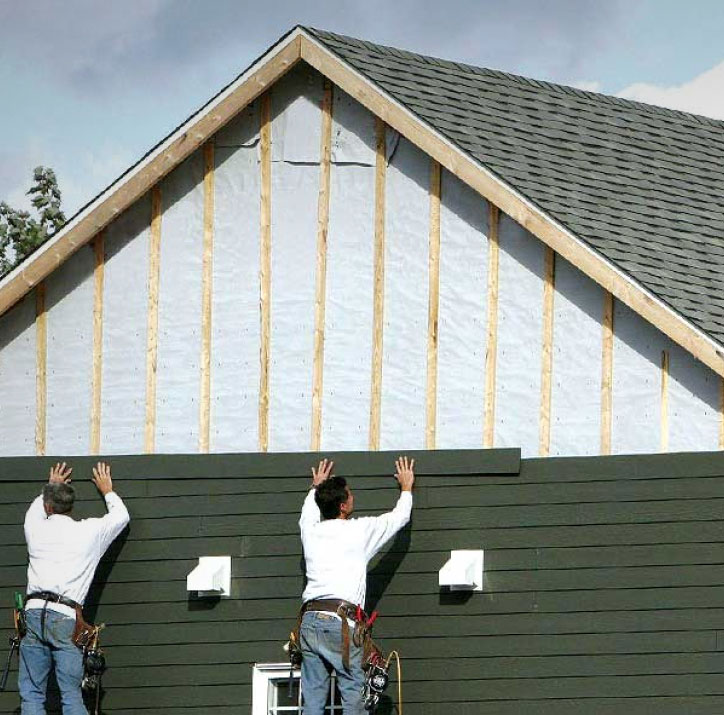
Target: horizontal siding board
x=240, y=466
x=374, y=493
x=225, y=527
x=594, y=706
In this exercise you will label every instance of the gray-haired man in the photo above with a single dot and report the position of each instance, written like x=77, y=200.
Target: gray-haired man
x=63, y=555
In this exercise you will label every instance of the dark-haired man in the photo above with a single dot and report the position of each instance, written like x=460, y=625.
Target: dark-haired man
x=63, y=555
x=337, y=550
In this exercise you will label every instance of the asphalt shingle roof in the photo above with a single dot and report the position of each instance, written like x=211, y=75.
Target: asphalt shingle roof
x=642, y=185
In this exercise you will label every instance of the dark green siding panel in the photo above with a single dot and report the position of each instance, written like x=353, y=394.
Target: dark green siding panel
x=604, y=588
x=248, y=466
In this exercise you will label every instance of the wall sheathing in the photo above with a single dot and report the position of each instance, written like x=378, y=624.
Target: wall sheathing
x=404, y=356
x=235, y=311
x=577, y=360
x=692, y=420
x=520, y=338
x=350, y=268
x=179, y=311
x=637, y=346
x=69, y=303
x=694, y=404
x=125, y=301
x=17, y=378
x=295, y=131
x=463, y=314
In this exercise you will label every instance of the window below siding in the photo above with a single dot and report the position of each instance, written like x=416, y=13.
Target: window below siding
x=271, y=696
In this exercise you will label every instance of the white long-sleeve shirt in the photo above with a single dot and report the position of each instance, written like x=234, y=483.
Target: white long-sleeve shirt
x=64, y=553
x=337, y=551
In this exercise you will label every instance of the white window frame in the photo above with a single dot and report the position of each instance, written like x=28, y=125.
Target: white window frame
x=263, y=674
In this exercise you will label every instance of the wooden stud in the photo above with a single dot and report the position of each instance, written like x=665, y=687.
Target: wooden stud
x=490, y=186
x=491, y=347
x=265, y=271
x=544, y=441
x=154, y=273
x=664, y=400
x=171, y=152
x=379, y=283
x=433, y=305
x=41, y=369
x=207, y=265
x=98, y=280
x=325, y=168
x=607, y=374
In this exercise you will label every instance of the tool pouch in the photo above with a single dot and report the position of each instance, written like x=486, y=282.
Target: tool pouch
x=84, y=632
x=294, y=650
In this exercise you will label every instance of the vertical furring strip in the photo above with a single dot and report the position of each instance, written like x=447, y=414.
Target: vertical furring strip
x=491, y=348
x=664, y=400
x=433, y=305
x=325, y=167
x=544, y=441
x=207, y=265
x=265, y=270
x=607, y=374
x=379, y=283
x=41, y=369
x=99, y=250
x=154, y=271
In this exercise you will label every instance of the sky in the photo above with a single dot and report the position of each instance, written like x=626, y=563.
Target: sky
x=88, y=86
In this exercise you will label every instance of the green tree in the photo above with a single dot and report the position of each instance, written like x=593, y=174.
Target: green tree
x=21, y=233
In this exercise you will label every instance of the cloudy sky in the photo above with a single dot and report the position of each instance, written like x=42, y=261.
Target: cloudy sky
x=89, y=85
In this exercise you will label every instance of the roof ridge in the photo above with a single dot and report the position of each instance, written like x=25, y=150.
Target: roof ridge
x=520, y=79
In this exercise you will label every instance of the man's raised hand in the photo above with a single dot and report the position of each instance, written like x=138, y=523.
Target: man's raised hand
x=102, y=478
x=59, y=474
x=322, y=472
x=405, y=475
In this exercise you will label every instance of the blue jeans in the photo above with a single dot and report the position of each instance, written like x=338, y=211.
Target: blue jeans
x=39, y=651
x=321, y=641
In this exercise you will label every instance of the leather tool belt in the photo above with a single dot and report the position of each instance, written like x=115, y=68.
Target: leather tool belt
x=345, y=610
x=83, y=632
x=51, y=597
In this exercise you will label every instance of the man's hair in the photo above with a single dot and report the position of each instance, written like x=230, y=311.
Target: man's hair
x=59, y=497
x=330, y=495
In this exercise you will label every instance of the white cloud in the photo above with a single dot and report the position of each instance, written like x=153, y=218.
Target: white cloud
x=702, y=95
